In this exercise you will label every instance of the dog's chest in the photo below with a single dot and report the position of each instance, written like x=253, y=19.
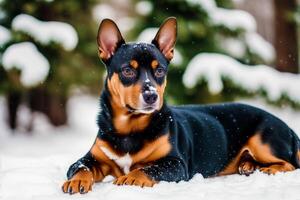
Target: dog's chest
x=151, y=151
x=124, y=162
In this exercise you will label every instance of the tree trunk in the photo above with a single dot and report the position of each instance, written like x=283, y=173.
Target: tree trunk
x=263, y=12
x=13, y=102
x=286, y=42
x=54, y=106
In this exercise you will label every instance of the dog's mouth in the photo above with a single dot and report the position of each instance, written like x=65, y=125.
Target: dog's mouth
x=145, y=110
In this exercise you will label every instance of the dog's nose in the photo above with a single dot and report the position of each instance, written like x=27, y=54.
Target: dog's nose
x=150, y=97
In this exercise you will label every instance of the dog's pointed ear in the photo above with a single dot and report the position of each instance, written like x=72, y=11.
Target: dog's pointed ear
x=109, y=39
x=165, y=38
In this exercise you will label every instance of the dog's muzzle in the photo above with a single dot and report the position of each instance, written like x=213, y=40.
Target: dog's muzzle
x=149, y=94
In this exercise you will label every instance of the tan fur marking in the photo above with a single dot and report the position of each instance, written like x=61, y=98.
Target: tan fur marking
x=136, y=177
x=100, y=156
x=154, y=64
x=81, y=182
x=169, y=54
x=274, y=168
x=125, y=122
x=247, y=168
x=99, y=172
x=134, y=64
x=232, y=167
x=153, y=150
x=160, y=91
x=150, y=152
x=262, y=153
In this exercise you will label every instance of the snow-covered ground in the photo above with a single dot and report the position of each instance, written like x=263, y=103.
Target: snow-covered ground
x=34, y=166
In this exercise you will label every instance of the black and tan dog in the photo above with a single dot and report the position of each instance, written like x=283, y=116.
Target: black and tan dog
x=142, y=140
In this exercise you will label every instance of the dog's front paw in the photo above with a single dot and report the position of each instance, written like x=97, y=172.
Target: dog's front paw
x=81, y=182
x=135, y=177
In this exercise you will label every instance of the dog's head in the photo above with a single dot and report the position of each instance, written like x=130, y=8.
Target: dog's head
x=137, y=71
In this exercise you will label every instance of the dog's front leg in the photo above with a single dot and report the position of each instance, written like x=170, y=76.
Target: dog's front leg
x=168, y=169
x=83, y=174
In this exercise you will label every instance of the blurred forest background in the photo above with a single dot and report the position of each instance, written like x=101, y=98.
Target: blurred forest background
x=226, y=49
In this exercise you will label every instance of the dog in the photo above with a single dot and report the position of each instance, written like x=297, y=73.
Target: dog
x=142, y=140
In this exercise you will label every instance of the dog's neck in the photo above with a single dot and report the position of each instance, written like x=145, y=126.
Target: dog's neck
x=124, y=120
x=158, y=125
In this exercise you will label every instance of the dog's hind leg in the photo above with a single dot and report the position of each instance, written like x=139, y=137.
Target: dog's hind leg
x=247, y=165
x=273, y=148
x=263, y=153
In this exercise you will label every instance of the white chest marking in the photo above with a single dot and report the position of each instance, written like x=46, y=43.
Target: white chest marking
x=123, y=162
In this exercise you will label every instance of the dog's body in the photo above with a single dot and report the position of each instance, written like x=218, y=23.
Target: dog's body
x=142, y=140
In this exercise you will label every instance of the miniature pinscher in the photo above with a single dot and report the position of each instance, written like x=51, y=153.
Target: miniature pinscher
x=142, y=140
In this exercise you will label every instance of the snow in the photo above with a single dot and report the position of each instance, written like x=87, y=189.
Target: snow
x=229, y=18
x=144, y=7
x=5, y=35
x=208, y=5
x=259, y=46
x=102, y=11
x=147, y=35
x=233, y=46
x=234, y=20
x=25, y=57
x=47, y=32
x=34, y=166
x=2, y=13
x=177, y=59
x=124, y=22
x=238, y=1
x=213, y=67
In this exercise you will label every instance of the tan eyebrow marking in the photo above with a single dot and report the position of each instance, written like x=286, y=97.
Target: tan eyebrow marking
x=134, y=64
x=154, y=64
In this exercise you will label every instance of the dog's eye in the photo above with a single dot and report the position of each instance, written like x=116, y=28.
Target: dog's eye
x=159, y=72
x=128, y=72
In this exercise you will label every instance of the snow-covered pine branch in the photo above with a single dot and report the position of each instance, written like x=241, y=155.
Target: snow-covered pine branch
x=258, y=46
x=25, y=57
x=237, y=20
x=105, y=10
x=143, y=8
x=46, y=32
x=5, y=35
x=232, y=19
x=213, y=67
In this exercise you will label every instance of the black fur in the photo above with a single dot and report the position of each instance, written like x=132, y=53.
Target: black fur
x=143, y=53
x=204, y=139
x=132, y=142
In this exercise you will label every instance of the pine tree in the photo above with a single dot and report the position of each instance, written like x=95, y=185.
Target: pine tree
x=77, y=68
x=201, y=29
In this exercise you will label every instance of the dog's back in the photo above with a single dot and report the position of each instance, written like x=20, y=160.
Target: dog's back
x=210, y=136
